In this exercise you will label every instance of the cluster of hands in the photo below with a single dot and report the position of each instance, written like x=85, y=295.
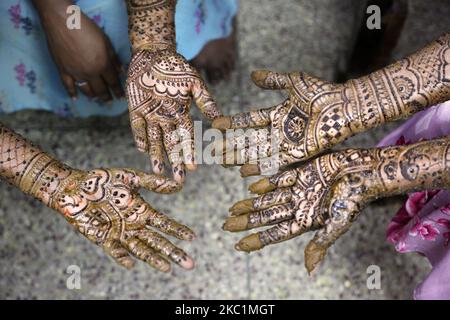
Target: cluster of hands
x=313, y=189
x=294, y=201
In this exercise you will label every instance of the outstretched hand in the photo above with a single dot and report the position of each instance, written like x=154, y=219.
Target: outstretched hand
x=326, y=194
x=312, y=119
x=160, y=88
x=104, y=205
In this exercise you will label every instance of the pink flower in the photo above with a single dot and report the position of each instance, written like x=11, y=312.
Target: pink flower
x=401, y=246
x=446, y=209
x=444, y=222
x=394, y=231
x=14, y=15
x=426, y=231
x=417, y=200
x=20, y=73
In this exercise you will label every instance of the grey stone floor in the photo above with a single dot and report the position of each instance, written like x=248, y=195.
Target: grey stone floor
x=37, y=245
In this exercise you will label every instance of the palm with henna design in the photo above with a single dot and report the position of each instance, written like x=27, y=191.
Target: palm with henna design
x=292, y=202
x=318, y=114
x=160, y=88
x=291, y=131
x=329, y=192
x=104, y=206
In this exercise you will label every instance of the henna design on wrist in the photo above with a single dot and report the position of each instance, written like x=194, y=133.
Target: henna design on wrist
x=151, y=24
x=405, y=87
x=25, y=166
x=328, y=193
x=318, y=114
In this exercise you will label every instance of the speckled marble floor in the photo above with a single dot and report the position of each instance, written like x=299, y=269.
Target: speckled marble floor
x=37, y=245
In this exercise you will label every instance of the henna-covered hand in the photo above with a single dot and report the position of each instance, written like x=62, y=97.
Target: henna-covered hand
x=329, y=192
x=103, y=204
x=318, y=114
x=160, y=88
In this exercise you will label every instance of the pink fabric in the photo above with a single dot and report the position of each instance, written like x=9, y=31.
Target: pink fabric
x=422, y=224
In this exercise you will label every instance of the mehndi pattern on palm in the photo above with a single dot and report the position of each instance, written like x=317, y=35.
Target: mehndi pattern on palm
x=318, y=114
x=102, y=204
x=328, y=193
x=161, y=85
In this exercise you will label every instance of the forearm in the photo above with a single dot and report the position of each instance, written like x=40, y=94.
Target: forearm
x=52, y=7
x=420, y=166
x=151, y=24
x=30, y=169
x=401, y=89
x=399, y=170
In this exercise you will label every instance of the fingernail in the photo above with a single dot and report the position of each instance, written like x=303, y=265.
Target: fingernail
x=187, y=263
x=261, y=186
x=241, y=207
x=235, y=224
x=221, y=123
x=249, y=170
x=259, y=75
x=192, y=236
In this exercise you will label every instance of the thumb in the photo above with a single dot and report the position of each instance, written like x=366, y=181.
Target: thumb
x=271, y=80
x=157, y=183
x=204, y=100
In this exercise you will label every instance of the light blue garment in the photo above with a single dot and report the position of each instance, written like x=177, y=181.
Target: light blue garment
x=30, y=79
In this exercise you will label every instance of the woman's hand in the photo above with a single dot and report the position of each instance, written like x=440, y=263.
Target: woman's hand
x=84, y=57
x=318, y=114
x=328, y=193
x=104, y=205
x=160, y=88
x=312, y=119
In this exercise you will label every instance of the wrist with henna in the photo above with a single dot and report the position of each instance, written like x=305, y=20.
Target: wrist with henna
x=31, y=170
x=151, y=24
x=401, y=89
x=103, y=204
x=328, y=193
